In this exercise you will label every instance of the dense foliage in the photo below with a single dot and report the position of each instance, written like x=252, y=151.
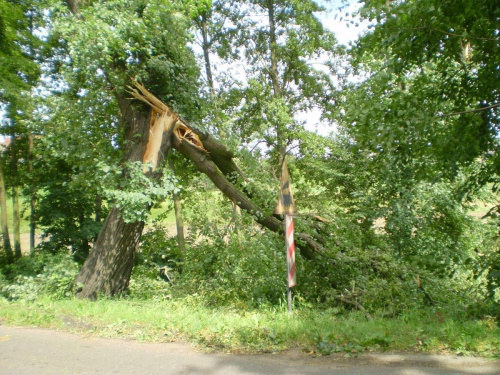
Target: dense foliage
x=408, y=148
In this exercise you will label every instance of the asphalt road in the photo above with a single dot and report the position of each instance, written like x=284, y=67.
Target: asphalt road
x=31, y=351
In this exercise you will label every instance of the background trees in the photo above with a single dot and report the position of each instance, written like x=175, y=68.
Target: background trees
x=407, y=145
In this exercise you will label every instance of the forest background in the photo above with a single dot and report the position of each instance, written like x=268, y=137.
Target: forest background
x=391, y=141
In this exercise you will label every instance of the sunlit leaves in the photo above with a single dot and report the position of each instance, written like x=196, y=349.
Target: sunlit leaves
x=18, y=69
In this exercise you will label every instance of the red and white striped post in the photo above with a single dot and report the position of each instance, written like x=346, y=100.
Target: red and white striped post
x=290, y=259
x=286, y=207
x=290, y=251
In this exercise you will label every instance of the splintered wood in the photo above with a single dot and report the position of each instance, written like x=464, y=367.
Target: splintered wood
x=183, y=132
x=159, y=124
x=162, y=119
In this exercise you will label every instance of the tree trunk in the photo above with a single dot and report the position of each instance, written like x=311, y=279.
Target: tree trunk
x=179, y=221
x=109, y=265
x=16, y=214
x=16, y=218
x=98, y=207
x=5, y=228
x=274, y=75
x=206, y=53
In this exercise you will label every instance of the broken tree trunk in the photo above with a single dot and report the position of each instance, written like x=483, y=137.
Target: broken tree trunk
x=109, y=265
x=107, y=269
x=208, y=167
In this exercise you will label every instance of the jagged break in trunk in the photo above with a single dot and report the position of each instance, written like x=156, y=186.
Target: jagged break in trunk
x=215, y=160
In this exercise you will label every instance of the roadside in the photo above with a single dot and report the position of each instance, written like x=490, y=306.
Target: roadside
x=26, y=351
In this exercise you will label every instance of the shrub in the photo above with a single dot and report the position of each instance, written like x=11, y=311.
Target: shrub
x=40, y=274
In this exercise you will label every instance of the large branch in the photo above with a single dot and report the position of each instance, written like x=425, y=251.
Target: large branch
x=208, y=167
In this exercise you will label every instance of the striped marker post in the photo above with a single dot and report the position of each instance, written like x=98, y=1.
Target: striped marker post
x=290, y=251
x=286, y=207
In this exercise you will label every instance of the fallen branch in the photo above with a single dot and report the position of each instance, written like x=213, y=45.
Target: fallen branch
x=214, y=159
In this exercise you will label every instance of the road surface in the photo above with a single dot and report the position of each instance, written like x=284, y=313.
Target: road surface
x=31, y=351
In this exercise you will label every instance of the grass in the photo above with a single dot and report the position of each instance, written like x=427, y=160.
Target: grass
x=318, y=332
x=161, y=209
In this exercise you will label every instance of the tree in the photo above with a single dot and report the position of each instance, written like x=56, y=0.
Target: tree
x=281, y=55
x=18, y=69
x=133, y=45
x=447, y=49
x=7, y=247
x=426, y=122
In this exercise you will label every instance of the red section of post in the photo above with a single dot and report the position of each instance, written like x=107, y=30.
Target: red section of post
x=290, y=253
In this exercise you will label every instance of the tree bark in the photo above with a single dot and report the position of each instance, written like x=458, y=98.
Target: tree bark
x=109, y=265
x=98, y=207
x=16, y=219
x=7, y=247
x=107, y=269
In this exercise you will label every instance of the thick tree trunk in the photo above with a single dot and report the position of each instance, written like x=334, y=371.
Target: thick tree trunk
x=107, y=269
x=109, y=265
x=7, y=247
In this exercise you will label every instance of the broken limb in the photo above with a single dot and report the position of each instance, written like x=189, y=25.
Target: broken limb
x=208, y=167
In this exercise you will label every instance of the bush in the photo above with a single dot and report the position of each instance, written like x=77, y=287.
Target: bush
x=248, y=270
x=144, y=285
x=41, y=274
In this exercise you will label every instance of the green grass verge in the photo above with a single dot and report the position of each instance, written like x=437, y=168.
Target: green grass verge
x=263, y=330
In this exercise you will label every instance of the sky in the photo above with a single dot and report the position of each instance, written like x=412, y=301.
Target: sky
x=335, y=19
